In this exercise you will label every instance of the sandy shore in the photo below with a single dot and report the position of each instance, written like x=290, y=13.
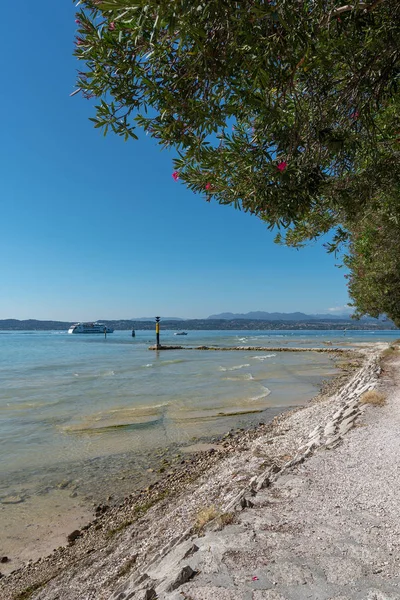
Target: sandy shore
x=237, y=521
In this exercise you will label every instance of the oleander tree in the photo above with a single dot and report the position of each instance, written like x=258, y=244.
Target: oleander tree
x=374, y=262
x=288, y=109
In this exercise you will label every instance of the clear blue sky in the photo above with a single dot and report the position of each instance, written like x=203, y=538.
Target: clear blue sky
x=93, y=227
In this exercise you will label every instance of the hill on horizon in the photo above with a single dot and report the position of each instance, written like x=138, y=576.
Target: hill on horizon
x=152, y=318
x=278, y=316
x=302, y=322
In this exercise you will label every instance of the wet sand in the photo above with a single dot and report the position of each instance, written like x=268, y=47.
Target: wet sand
x=28, y=534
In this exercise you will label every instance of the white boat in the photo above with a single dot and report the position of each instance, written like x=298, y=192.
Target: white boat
x=90, y=328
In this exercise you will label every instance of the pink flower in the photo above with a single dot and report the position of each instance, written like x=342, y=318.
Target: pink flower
x=355, y=114
x=281, y=166
x=111, y=27
x=254, y=578
x=77, y=21
x=208, y=185
x=175, y=175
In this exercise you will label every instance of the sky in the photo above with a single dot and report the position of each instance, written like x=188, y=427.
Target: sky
x=95, y=228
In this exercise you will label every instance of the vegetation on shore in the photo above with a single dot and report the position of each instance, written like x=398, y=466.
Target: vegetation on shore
x=373, y=397
x=287, y=110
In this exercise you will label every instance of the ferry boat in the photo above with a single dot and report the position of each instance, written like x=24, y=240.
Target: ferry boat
x=90, y=328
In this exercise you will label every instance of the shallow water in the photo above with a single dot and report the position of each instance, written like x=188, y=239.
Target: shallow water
x=66, y=397
x=90, y=416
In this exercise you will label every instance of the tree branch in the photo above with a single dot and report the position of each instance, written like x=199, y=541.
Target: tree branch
x=348, y=7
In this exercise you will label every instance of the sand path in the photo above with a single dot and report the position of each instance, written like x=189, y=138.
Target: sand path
x=327, y=529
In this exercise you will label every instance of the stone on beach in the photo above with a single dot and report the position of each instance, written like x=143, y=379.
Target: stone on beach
x=12, y=500
x=184, y=574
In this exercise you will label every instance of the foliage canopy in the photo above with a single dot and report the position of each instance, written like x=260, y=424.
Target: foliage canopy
x=289, y=109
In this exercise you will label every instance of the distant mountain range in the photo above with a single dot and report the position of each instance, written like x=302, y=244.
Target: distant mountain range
x=152, y=319
x=277, y=316
x=225, y=321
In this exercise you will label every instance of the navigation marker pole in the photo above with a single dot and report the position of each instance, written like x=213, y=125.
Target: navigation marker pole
x=158, y=333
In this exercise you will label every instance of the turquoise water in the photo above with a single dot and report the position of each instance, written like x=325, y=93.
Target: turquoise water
x=66, y=398
x=94, y=415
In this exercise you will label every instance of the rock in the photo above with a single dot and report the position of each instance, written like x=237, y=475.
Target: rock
x=191, y=551
x=12, y=500
x=74, y=536
x=149, y=594
x=183, y=576
x=263, y=483
x=4, y=559
x=349, y=412
x=347, y=421
x=275, y=468
x=314, y=440
x=311, y=445
x=352, y=404
x=337, y=414
x=345, y=427
x=253, y=482
x=63, y=484
x=333, y=442
x=245, y=503
x=101, y=509
x=330, y=429
x=315, y=431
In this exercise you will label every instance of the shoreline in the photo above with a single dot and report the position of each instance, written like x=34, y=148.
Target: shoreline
x=39, y=513
x=251, y=348
x=110, y=523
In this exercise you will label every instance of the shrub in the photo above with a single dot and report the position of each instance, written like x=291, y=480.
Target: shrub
x=205, y=515
x=225, y=519
x=373, y=397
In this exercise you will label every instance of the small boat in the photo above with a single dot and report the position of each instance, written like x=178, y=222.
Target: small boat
x=180, y=333
x=90, y=328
